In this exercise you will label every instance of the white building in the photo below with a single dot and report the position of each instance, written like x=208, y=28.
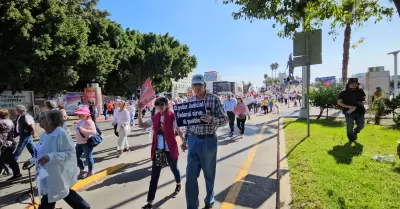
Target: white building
x=212, y=76
x=377, y=77
x=182, y=86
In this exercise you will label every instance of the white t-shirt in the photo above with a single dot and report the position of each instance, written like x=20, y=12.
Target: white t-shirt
x=28, y=119
x=161, y=138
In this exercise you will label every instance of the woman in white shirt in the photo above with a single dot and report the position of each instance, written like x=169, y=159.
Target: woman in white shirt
x=123, y=127
x=56, y=164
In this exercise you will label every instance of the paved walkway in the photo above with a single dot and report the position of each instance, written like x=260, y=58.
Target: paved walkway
x=246, y=172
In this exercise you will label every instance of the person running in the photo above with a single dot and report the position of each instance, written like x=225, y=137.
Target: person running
x=201, y=140
x=164, y=149
x=241, y=111
x=352, y=99
x=229, y=106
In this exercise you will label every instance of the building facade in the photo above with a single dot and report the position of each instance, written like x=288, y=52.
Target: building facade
x=377, y=77
x=212, y=76
x=182, y=86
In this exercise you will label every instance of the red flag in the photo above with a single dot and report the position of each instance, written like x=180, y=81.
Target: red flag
x=147, y=94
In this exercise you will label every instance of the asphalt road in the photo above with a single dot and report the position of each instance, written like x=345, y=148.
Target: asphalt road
x=245, y=171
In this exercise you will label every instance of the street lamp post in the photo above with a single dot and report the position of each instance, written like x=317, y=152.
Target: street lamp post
x=395, y=79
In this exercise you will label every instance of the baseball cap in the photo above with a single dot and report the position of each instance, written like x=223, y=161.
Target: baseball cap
x=352, y=80
x=198, y=79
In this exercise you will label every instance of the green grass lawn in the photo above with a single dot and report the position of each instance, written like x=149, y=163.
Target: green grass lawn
x=327, y=172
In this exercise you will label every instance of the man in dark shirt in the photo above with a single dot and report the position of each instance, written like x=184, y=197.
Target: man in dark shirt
x=352, y=100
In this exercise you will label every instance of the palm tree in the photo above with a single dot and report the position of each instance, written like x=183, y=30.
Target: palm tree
x=346, y=44
x=274, y=67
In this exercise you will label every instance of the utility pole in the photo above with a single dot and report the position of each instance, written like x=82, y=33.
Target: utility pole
x=395, y=78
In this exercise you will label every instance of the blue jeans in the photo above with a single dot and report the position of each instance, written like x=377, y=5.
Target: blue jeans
x=155, y=176
x=202, y=155
x=26, y=142
x=360, y=122
x=132, y=117
x=105, y=114
x=87, y=150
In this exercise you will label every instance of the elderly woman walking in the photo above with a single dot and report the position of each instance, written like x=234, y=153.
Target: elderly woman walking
x=7, y=145
x=84, y=129
x=55, y=162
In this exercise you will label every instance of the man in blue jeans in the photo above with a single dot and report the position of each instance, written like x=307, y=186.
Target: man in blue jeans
x=201, y=141
x=25, y=129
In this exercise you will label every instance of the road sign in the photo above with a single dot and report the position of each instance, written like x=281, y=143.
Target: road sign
x=314, y=59
x=313, y=43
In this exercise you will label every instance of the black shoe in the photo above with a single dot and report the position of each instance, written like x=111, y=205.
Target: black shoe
x=177, y=190
x=208, y=207
x=351, y=137
x=147, y=206
x=231, y=134
x=15, y=177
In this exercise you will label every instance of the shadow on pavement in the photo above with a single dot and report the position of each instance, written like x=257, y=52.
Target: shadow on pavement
x=11, y=197
x=122, y=178
x=254, y=191
x=344, y=154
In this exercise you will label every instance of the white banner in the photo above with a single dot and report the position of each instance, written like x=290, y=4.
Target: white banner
x=9, y=101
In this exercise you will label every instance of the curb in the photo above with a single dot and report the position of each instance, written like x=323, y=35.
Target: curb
x=82, y=184
x=285, y=196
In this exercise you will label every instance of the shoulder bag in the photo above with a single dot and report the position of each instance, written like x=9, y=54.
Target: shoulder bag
x=160, y=158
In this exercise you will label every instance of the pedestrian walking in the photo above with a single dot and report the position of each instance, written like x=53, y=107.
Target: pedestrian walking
x=123, y=127
x=25, y=129
x=164, y=149
x=229, y=106
x=55, y=160
x=65, y=117
x=241, y=112
x=201, y=141
x=84, y=129
x=8, y=145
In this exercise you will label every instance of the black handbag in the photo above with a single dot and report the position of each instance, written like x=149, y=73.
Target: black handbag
x=160, y=158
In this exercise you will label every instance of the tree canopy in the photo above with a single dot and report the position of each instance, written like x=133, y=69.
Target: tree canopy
x=304, y=15
x=50, y=46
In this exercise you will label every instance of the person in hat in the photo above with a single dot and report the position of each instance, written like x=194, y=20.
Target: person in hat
x=202, y=142
x=84, y=129
x=352, y=100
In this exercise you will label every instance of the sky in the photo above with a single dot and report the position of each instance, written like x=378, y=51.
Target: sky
x=243, y=51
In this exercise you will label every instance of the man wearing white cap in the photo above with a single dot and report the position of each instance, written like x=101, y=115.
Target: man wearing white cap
x=201, y=141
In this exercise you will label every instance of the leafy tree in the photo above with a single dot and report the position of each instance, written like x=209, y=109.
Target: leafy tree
x=325, y=97
x=268, y=81
x=38, y=44
x=306, y=15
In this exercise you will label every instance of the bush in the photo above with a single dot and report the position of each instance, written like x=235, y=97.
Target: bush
x=394, y=105
x=325, y=97
x=379, y=108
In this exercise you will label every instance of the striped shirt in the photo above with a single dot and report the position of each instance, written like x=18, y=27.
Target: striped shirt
x=216, y=111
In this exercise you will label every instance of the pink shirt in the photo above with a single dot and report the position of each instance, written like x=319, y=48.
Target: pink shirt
x=88, y=129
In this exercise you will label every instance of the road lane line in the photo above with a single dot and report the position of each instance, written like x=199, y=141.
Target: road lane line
x=233, y=193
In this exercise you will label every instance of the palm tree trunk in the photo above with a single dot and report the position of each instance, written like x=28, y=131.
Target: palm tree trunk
x=346, y=52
